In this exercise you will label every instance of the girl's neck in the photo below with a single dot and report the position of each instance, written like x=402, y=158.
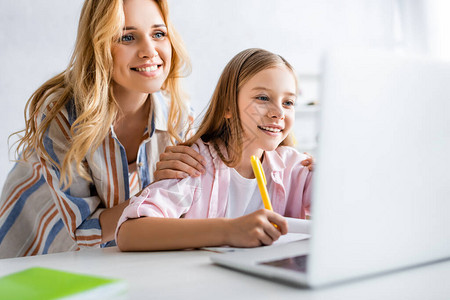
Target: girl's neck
x=244, y=168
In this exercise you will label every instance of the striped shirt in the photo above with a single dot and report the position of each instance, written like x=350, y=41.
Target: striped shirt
x=39, y=217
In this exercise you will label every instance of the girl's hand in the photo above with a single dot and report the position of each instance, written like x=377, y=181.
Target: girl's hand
x=179, y=162
x=256, y=229
x=308, y=162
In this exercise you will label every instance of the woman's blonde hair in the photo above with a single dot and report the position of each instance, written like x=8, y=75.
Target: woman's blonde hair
x=215, y=127
x=87, y=80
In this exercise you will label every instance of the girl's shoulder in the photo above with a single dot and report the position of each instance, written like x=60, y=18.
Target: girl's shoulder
x=209, y=152
x=288, y=161
x=288, y=153
x=204, y=148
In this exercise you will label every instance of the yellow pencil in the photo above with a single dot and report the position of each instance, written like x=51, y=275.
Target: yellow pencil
x=262, y=182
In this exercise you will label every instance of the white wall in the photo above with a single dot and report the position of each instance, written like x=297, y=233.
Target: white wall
x=438, y=16
x=300, y=30
x=38, y=37
x=37, y=40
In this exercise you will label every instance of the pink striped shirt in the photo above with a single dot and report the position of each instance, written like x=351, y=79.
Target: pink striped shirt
x=206, y=196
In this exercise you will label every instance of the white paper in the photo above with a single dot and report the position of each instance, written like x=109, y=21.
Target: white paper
x=287, y=238
x=298, y=225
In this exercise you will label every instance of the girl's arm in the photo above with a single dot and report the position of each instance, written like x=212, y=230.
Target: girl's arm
x=174, y=162
x=151, y=233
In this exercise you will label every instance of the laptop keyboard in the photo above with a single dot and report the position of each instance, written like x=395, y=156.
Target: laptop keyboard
x=295, y=263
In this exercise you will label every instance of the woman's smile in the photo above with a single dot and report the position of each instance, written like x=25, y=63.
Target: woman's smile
x=148, y=70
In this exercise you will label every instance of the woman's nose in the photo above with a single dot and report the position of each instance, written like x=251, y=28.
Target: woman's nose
x=147, y=49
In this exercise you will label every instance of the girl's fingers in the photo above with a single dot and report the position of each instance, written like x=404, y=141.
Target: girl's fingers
x=271, y=233
x=279, y=220
x=266, y=239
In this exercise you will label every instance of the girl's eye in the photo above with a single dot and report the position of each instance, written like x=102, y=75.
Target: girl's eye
x=126, y=38
x=263, y=98
x=289, y=103
x=159, y=35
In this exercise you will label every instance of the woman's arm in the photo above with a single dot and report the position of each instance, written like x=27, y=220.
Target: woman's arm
x=308, y=162
x=151, y=233
x=108, y=220
x=178, y=162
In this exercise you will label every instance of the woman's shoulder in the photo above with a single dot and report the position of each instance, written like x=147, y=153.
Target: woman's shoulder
x=67, y=110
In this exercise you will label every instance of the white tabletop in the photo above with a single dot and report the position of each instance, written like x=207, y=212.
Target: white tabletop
x=190, y=274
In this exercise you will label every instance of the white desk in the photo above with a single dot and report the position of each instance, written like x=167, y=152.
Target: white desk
x=191, y=275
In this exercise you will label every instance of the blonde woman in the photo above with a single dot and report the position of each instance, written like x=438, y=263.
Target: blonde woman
x=95, y=132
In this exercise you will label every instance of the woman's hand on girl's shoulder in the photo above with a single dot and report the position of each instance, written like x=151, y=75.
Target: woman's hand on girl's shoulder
x=255, y=229
x=179, y=162
x=308, y=162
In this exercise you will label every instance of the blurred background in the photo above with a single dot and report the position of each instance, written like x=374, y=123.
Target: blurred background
x=38, y=38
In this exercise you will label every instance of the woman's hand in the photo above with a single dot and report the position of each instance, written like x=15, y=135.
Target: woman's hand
x=256, y=229
x=308, y=162
x=179, y=162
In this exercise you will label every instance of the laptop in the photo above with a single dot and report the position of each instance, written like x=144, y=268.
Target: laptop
x=381, y=194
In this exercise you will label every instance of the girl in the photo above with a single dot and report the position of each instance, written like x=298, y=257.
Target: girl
x=251, y=113
x=95, y=131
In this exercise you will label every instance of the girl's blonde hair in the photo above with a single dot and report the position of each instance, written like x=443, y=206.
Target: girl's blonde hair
x=87, y=80
x=215, y=127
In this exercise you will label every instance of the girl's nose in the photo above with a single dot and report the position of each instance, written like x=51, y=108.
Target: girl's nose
x=276, y=112
x=147, y=50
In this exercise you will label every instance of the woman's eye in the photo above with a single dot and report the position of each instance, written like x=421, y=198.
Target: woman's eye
x=126, y=38
x=159, y=35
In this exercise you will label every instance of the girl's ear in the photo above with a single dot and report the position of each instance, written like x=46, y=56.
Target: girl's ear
x=228, y=113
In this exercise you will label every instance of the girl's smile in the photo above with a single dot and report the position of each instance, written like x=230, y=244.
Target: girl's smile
x=272, y=130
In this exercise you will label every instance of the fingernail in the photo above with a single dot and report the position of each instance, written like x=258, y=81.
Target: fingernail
x=197, y=173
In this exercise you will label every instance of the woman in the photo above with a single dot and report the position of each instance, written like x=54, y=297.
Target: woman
x=95, y=131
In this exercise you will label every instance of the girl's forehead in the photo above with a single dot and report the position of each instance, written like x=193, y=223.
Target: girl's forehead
x=276, y=75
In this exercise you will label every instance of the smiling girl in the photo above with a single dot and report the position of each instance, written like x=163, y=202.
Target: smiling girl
x=95, y=132
x=251, y=113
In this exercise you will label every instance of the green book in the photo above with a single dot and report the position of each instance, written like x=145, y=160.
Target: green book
x=43, y=283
